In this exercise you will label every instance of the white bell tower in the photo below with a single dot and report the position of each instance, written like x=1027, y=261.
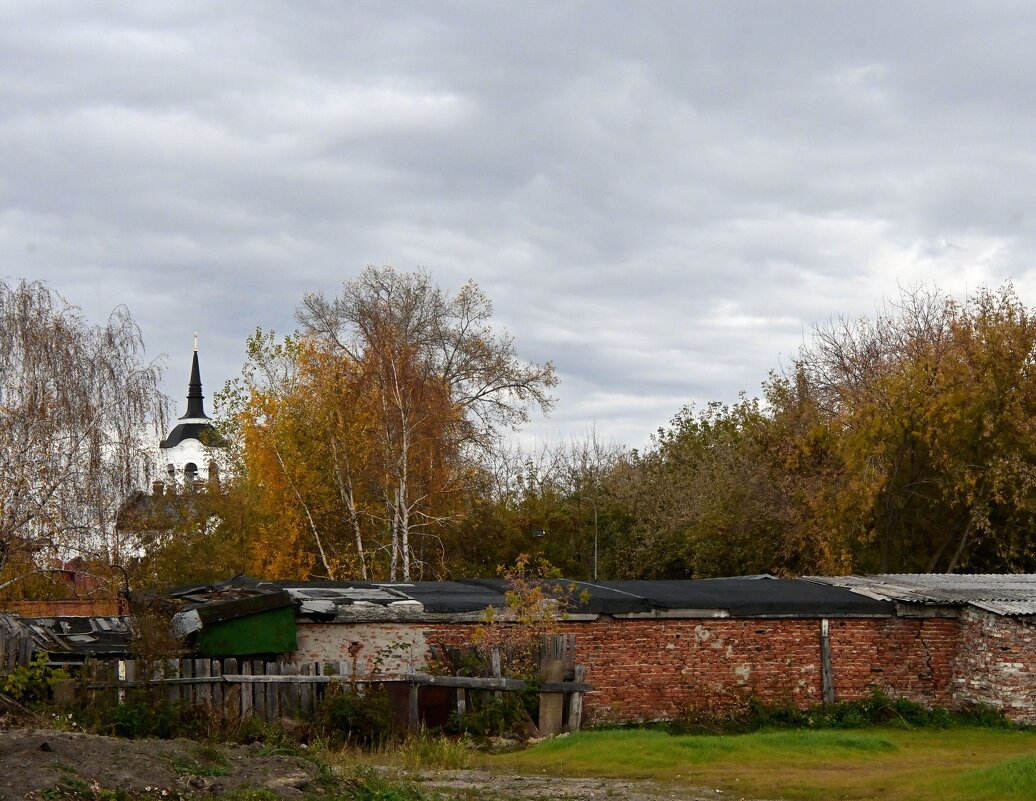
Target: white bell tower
x=187, y=457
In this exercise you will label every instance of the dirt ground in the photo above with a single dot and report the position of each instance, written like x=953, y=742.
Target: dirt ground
x=34, y=760
x=475, y=784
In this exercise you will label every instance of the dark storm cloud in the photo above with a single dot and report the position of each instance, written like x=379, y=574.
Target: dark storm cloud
x=661, y=197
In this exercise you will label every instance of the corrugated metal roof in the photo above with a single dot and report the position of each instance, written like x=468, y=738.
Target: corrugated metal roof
x=81, y=635
x=1008, y=608
x=1004, y=594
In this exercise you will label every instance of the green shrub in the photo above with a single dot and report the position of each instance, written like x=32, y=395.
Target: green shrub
x=139, y=717
x=490, y=716
x=348, y=715
x=34, y=683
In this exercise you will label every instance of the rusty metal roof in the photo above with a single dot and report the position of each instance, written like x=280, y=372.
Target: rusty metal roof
x=1001, y=593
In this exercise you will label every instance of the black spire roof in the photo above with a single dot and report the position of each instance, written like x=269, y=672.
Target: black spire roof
x=201, y=431
x=195, y=400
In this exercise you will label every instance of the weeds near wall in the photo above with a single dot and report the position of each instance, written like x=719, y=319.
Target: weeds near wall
x=537, y=603
x=349, y=715
x=748, y=714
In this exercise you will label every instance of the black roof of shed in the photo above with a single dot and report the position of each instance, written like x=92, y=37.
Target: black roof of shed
x=743, y=596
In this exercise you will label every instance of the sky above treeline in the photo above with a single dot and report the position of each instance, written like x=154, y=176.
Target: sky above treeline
x=661, y=197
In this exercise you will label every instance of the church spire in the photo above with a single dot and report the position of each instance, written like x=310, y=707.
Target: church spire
x=195, y=400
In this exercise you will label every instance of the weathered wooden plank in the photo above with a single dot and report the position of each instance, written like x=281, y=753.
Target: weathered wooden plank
x=552, y=704
x=272, y=669
x=231, y=691
x=413, y=708
x=289, y=691
x=475, y=683
x=306, y=689
x=246, y=690
x=171, y=670
x=127, y=675
x=203, y=690
x=575, y=701
x=259, y=669
x=216, y=671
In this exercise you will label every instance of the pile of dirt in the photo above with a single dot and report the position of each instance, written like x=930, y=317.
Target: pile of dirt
x=34, y=760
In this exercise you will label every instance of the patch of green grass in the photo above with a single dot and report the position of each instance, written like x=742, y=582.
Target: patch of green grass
x=206, y=760
x=889, y=763
x=655, y=754
x=424, y=750
x=1011, y=779
x=369, y=785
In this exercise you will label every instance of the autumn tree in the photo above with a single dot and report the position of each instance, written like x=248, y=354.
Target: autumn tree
x=440, y=384
x=932, y=403
x=79, y=409
x=360, y=435
x=540, y=500
x=903, y=442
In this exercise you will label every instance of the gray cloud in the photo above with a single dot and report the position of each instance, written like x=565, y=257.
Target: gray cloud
x=661, y=197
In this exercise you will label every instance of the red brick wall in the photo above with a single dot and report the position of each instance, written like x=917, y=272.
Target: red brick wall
x=655, y=669
x=652, y=669
x=906, y=657
x=996, y=664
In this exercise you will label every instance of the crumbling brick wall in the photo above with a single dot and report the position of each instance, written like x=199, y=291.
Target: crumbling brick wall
x=902, y=656
x=996, y=664
x=385, y=649
x=645, y=669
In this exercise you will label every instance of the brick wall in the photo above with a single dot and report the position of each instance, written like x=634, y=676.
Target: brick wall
x=906, y=657
x=391, y=649
x=996, y=664
x=652, y=669
x=657, y=669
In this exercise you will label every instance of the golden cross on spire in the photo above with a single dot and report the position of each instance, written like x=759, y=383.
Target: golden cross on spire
x=195, y=341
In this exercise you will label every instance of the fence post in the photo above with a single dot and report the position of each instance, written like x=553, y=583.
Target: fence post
x=247, y=690
x=217, y=688
x=497, y=671
x=272, y=669
x=552, y=668
x=232, y=693
x=413, y=707
x=289, y=694
x=202, y=671
x=305, y=691
x=575, y=701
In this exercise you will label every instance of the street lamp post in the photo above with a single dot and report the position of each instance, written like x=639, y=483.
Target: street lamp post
x=594, y=503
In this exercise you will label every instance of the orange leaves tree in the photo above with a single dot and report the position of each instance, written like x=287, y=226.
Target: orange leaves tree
x=360, y=433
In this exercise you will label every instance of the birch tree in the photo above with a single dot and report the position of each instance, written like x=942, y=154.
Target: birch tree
x=443, y=384
x=80, y=409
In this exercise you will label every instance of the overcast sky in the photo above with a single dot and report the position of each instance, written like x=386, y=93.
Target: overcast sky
x=662, y=197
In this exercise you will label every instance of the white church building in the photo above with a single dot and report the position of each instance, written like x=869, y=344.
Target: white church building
x=188, y=456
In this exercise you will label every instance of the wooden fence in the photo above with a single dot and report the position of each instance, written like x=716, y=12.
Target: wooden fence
x=15, y=644
x=274, y=690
